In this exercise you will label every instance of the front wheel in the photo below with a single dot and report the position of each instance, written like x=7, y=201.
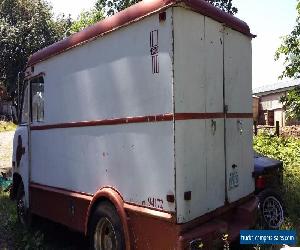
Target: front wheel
x=106, y=231
x=22, y=211
x=272, y=209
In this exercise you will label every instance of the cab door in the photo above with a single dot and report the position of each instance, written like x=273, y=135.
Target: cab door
x=21, y=143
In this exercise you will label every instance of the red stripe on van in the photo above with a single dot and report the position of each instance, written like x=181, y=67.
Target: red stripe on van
x=117, y=121
x=143, y=119
x=239, y=115
x=198, y=116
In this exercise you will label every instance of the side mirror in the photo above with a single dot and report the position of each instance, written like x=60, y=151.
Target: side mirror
x=15, y=115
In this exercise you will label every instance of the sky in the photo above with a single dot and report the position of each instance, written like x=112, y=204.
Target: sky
x=268, y=19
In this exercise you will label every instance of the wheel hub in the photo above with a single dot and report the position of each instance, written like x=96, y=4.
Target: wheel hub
x=105, y=237
x=273, y=212
x=21, y=209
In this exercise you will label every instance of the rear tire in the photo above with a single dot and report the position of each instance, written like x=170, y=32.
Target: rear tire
x=105, y=228
x=272, y=209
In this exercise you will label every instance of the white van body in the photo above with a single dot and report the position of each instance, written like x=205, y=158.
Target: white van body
x=158, y=109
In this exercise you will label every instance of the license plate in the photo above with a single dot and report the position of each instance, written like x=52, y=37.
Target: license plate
x=233, y=179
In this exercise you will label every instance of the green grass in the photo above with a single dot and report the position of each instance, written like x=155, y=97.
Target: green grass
x=42, y=235
x=12, y=234
x=287, y=150
x=7, y=126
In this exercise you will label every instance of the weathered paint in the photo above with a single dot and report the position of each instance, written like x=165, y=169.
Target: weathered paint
x=239, y=128
x=112, y=88
x=199, y=145
x=21, y=157
x=144, y=228
x=112, y=119
x=133, y=14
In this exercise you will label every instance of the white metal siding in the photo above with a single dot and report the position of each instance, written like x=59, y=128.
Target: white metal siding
x=110, y=77
x=238, y=72
x=198, y=88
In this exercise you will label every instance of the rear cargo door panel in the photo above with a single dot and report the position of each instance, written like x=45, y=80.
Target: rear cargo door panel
x=199, y=135
x=238, y=122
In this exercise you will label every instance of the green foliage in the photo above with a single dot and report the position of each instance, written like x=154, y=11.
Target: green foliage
x=85, y=19
x=7, y=126
x=113, y=6
x=288, y=151
x=225, y=5
x=289, y=50
x=291, y=103
x=26, y=26
x=11, y=229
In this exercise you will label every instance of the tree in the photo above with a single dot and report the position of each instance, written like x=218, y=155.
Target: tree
x=26, y=26
x=113, y=6
x=225, y=5
x=290, y=50
x=85, y=19
x=291, y=103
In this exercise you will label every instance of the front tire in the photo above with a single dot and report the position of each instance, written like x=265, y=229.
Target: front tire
x=106, y=230
x=22, y=211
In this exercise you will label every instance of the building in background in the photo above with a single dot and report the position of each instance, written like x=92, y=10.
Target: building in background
x=255, y=107
x=267, y=108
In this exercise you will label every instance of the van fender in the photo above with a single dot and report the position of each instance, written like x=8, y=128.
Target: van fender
x=112, y=195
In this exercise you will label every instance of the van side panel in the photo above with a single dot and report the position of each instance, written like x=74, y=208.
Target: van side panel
x=123, y=75
x=112, y=77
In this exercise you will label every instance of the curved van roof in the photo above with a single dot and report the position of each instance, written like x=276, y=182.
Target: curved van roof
x=133, y=14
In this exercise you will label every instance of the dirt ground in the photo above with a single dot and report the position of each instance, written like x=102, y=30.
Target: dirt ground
x=6, y=144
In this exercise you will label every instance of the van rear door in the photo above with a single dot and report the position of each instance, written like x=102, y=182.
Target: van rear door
x=239, y=118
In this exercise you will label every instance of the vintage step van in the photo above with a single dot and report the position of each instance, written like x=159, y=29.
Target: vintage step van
x=137, y=131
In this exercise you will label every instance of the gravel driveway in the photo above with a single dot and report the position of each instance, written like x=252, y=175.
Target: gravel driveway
x=6, y=144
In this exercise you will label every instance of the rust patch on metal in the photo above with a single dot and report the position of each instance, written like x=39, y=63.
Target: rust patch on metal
x=20, y=151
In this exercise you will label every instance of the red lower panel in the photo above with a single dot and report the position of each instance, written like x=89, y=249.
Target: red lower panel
x=62, y=206
x=148, y=232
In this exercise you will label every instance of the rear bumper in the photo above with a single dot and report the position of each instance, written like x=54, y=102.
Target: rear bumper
x=150, y=229
x=211, y=233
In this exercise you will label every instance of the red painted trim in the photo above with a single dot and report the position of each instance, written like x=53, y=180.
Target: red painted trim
x=143, y=119
x=135, y=208
x=112, y=195
x=198, y=116
x=239, y=115
x=134, y=14
x=163, y=234
x=59, y=205
x=117, y=121
x=159, y=229
x=30, y=77
x=58, y=190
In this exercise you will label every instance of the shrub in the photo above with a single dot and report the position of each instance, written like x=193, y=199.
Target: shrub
x=286, y=149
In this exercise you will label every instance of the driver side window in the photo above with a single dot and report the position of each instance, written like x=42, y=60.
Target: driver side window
x=37, y=99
